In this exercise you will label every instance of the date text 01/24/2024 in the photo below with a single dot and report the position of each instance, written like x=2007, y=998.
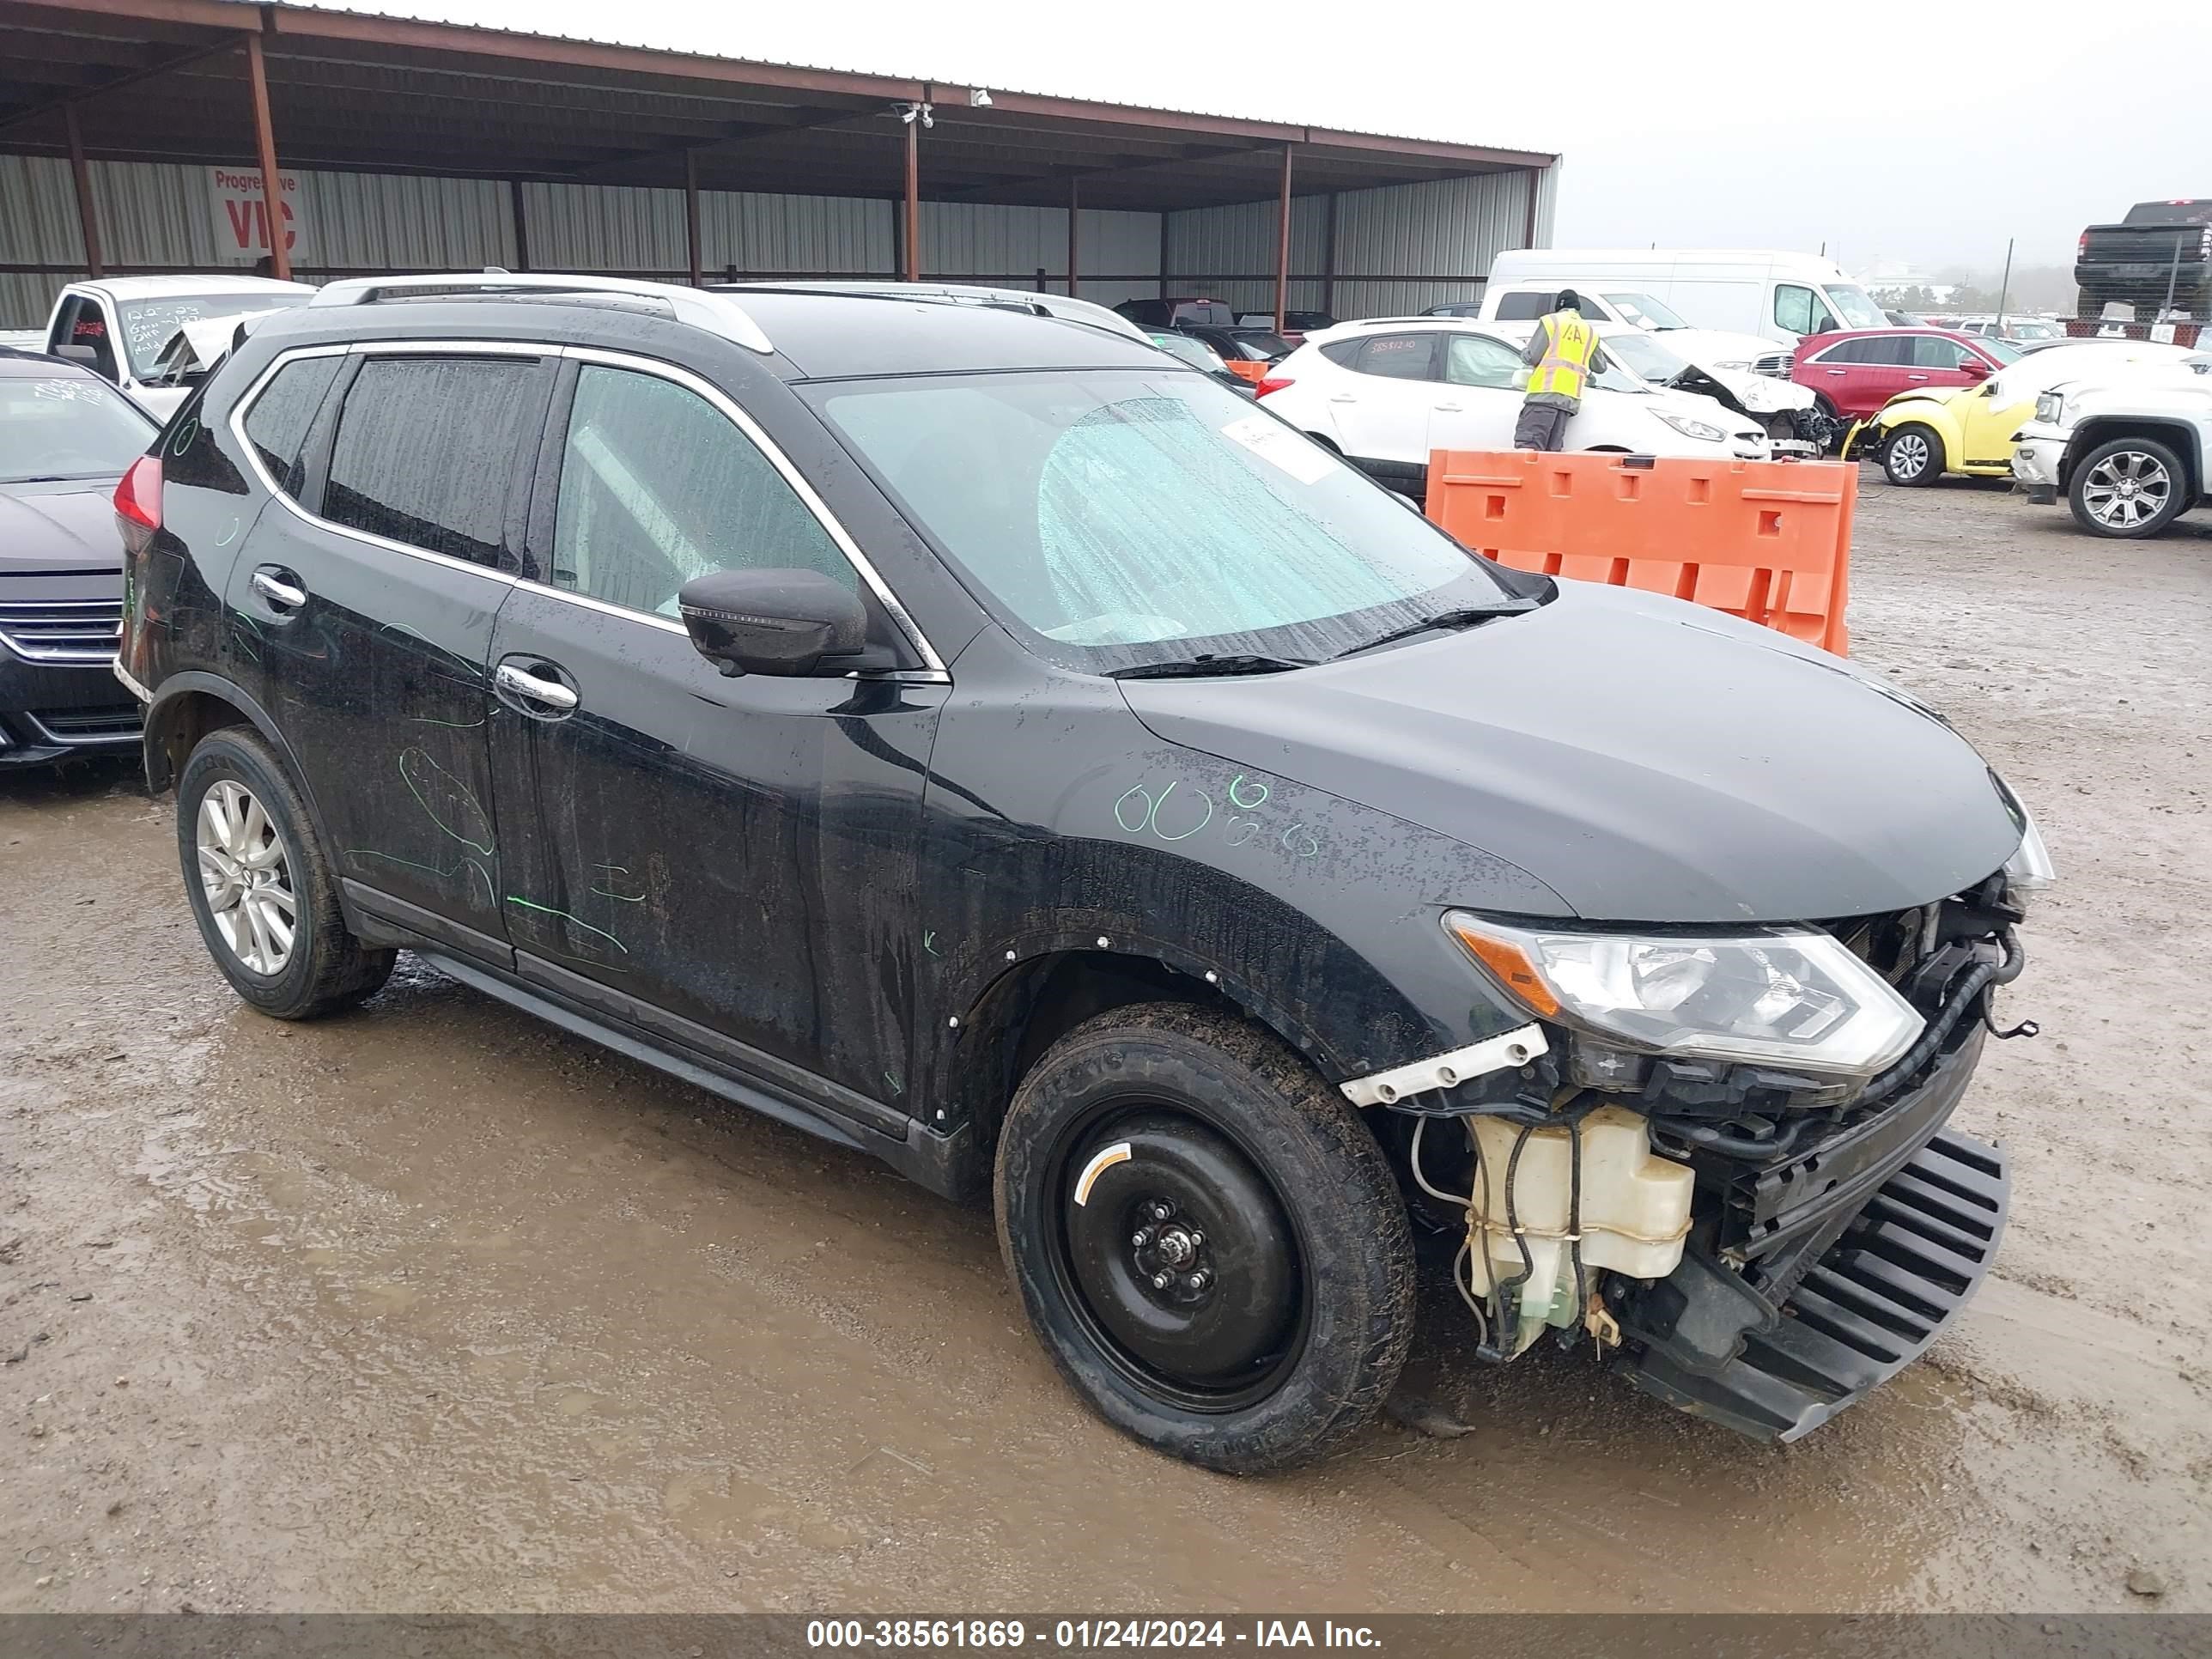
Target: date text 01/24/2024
x=1084, y=1635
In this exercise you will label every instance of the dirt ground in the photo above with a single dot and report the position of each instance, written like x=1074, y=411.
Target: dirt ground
x=432, y=1307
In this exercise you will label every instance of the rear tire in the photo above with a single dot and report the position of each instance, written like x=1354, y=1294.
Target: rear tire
x=1170, y=1142
x=263, y=892
x=1912, y=456
x=2128, y=489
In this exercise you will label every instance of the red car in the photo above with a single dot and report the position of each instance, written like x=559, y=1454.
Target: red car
x=1856, y=372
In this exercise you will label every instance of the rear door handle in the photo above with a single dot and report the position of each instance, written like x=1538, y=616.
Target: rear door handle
x=1342, y=398
x=518, y=681
x=1916, y=377
x=279, y=586
x=1449, y=408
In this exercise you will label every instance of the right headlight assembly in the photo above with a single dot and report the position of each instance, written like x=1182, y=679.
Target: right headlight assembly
x=1788, y=997
x=2050, y=408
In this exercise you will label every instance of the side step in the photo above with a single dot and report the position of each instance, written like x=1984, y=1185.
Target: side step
x=1885, y=1290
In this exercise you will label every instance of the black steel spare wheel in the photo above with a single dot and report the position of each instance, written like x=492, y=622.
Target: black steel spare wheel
x=1181, y=1257
x=1206, y=1236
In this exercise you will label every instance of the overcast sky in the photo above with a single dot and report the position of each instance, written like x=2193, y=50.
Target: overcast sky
x=1924, y=133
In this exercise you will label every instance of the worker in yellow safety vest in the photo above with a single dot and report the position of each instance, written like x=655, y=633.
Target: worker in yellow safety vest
x=1562, y=355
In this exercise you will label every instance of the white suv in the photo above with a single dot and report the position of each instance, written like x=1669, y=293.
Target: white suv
x=2131, y=453
x=1385, y=394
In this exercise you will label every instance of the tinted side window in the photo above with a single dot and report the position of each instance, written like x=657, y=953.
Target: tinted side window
x=1398, y=356
x=1930, y=351
x=277, y=423
x=1523, y=307
x=1341, y=352
x=1850, y=351
x=425, y=451
x=657, y=487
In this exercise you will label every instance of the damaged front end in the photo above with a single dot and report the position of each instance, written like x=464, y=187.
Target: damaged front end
x=1792, y=419
x=1742, y=1188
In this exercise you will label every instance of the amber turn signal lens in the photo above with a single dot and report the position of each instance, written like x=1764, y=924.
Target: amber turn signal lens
x=1510, y=963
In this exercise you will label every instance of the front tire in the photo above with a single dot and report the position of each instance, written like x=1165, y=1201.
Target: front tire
x=263, y=892
x=2127, y=489
x=1205, y=1238
x=1913, y=455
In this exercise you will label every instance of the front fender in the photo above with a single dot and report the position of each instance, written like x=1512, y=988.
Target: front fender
x=1917, y=406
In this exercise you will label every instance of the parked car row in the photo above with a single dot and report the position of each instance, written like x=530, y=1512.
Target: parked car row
x=66, y=437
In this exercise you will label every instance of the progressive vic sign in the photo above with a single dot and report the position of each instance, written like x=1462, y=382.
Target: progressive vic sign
x=241, y=217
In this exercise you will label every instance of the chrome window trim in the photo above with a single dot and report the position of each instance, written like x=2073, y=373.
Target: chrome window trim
x=721, y=402
x=934, y=673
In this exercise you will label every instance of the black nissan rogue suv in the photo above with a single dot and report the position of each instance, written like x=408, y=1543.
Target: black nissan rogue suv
x=982, y=740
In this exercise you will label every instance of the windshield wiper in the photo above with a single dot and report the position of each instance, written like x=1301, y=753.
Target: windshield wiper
x=1467, y=617
x=1208, y=665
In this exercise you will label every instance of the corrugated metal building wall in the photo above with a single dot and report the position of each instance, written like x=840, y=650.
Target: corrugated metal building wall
x=1397, y=249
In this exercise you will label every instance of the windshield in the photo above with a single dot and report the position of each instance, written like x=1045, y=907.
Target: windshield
x=2034, y=331
x=1119, y=517
x=149, y=324
x=2003, y=351
x=1645, y=312
x=1852, y=304
x=1263, y=344
x=67, y=428
x=1643, y=356
x=1195, y=352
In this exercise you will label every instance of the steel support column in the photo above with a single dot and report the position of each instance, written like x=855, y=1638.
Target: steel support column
x=914, y=198
x=1282, y=244
x=691, y=214
x=1328, y=257
x=521, y=227
x=264, y=138
x=1074, y=215
x=86, y=216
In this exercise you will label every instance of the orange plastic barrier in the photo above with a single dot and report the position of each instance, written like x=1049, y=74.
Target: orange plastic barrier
x=1768, y=541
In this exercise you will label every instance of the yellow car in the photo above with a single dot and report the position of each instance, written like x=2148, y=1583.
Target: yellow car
x=1919, y=436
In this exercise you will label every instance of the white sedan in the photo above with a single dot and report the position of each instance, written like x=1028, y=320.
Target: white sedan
x=1385, y=394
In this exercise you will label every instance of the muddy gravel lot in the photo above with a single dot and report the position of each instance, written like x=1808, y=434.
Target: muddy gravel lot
x=434, y=1307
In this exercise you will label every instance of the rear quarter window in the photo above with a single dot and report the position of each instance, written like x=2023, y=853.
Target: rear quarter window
x=278, y=421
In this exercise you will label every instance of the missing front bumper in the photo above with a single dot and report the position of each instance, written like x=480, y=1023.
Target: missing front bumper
x=1869, y=1305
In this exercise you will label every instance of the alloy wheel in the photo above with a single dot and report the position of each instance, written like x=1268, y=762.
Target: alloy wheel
x=246, y=878
x=2127, y=490
x=1908, y=455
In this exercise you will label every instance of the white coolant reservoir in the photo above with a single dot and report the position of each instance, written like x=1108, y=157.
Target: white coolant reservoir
x=1635, y=1211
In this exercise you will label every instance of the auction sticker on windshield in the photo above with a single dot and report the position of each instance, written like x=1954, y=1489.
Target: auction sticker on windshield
x=1281, y=448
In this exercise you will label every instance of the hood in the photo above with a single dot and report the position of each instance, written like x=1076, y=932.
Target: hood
x=59, y=526
x=1762, y=394
x=1647, y=759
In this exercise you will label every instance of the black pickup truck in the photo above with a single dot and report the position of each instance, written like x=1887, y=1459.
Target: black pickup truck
x=2160, y=249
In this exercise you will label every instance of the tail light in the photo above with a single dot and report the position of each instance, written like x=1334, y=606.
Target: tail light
x=139, y=503
x=2081, y=247
x=1272, y=383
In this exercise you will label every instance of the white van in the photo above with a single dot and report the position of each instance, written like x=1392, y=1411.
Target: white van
x=1768, y=292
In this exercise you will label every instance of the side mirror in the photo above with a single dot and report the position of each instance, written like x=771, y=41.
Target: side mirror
x=1974, y=368
x=78, y=354
x=791, y=623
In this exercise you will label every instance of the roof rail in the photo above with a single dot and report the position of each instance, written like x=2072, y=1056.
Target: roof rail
x=1063, y=306
x=715, y=312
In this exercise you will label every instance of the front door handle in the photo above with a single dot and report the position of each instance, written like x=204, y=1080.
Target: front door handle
x=548, y=693
x=1916, y=377
x=1342, y=398
x=279, y=587
x=1449, y=408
